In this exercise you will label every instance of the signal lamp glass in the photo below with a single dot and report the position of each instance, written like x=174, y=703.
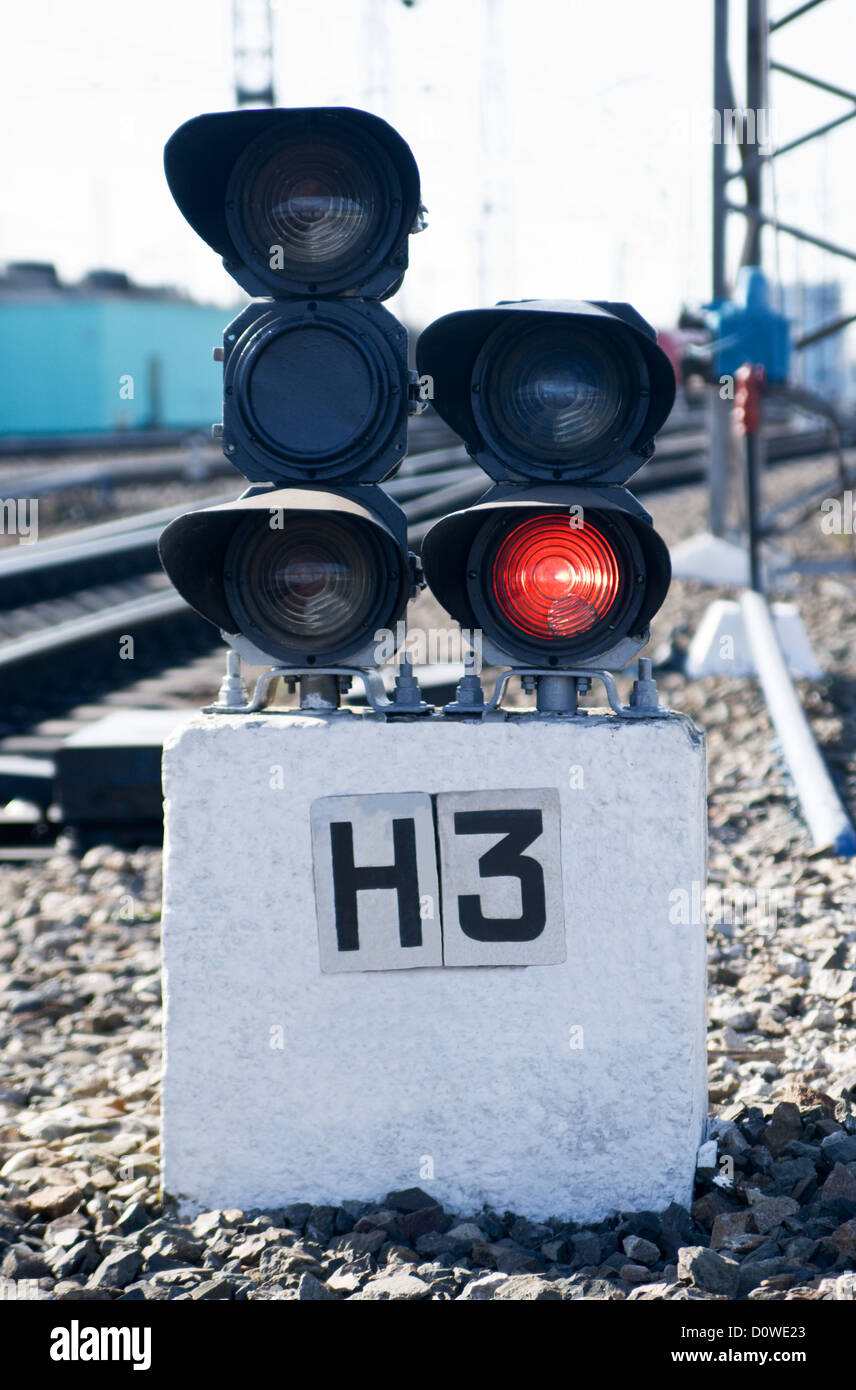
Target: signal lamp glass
x=553, y=581
x=558, y=393
x=292, y=381
x=308, y=206
x=312, y=586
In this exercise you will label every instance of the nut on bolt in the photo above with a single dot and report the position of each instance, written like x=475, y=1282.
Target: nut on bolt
x=644, y=694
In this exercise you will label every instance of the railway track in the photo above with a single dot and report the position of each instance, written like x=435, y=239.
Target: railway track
x=107, y=473
x=195, y=458
x=68, y=592
x=65, y=602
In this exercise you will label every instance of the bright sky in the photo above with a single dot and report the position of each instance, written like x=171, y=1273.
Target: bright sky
x=580, y=122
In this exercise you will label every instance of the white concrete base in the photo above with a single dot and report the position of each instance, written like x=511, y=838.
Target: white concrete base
x=712, y=560
x=720, y=646
x=570, y=1088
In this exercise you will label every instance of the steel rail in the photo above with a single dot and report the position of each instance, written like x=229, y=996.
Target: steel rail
x=138, y=612
x=198, y=460
x=135, y=539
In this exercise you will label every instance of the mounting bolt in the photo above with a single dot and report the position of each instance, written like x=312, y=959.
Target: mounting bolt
x=644, y=694
x=407, y=697
x=233, y=692
x=469, y=696
x=406, y=693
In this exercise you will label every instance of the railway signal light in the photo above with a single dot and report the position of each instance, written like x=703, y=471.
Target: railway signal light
x=311, y=209
x=558, y=565
x=550, y=390
x=293, y=576
x=315, y=390
x=300, y=202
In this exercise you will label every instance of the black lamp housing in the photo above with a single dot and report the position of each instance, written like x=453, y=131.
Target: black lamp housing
x=299, y=202
x=315, y=391
x=255, y=566
x=457, y=552
x=550, y=390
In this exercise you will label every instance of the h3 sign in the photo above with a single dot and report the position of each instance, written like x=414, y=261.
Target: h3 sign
x=406, y=880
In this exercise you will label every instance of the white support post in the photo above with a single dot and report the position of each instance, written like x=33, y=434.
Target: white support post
x=363, y=1008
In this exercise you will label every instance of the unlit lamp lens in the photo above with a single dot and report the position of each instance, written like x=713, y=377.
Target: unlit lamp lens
x=556, y=394
x=305, y=205
x=308, y=587
x=296, y=420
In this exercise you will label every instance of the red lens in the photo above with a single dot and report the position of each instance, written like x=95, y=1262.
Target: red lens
x=553, y=578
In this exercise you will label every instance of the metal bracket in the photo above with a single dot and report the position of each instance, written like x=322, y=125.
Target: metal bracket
x=642, y=710
x=371, y=681
x=407, y=702
x=417, y=402
x=417, y=574
x=372, y=684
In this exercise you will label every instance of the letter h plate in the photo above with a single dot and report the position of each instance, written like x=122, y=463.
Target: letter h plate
x=377, y=887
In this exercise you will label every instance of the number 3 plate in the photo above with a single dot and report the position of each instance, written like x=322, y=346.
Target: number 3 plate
x=500, y=898
x=501, y=877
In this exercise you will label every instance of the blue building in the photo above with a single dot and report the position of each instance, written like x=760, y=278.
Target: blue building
x=104, y=356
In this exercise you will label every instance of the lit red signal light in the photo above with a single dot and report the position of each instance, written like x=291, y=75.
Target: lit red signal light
x=552, y=579
x=557, y=566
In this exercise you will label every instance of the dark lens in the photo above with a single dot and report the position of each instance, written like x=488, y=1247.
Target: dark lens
x=314, y=390
x=558, y=392
x=310, y=203
x=311, y=586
